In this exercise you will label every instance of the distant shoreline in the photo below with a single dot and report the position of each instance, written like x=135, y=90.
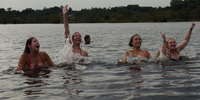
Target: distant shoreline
x=178, y=11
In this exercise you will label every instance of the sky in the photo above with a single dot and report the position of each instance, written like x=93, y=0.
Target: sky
x=78, y=4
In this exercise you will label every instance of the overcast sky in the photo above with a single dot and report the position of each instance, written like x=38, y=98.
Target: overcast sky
x=78, y=4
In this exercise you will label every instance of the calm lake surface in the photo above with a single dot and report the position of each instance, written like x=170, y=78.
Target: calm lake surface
x=104, y=78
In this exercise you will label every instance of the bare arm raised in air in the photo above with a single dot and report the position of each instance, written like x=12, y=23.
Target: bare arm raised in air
x=164, y=52
x=65, y=19
x=187, y=39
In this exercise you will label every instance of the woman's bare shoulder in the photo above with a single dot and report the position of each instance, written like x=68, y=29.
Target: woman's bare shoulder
x=43, y=53
x=84, y=53
x=23, y=56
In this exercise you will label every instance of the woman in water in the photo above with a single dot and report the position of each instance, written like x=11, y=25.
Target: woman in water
x=32, y=58
x=87, y=39
x=135, y=42
x=76, y=37
x=169, y=47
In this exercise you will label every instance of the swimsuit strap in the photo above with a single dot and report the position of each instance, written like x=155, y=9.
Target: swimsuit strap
x=132, y=55
x=29, y=63
x=170, y=55
x=142, y=51
x=41, y=58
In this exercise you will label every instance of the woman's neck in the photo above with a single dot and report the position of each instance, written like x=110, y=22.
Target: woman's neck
x=75, y=47
x=136, y=49
x=172, y=50
x=34, y=53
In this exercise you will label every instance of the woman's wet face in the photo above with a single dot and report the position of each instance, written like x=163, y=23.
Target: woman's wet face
x=35, y=44
x=137, y=41
x=88, y=39
x=77, y=38
x=172, y=44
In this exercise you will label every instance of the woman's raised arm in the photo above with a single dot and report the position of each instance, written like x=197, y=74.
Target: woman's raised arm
x=187, y=39
x=65, y=19
x=164, y=52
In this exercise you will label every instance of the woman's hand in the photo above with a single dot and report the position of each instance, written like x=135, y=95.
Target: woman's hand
x=65, y=10
x=164, y=44
x=193, y=25
x=163, y=36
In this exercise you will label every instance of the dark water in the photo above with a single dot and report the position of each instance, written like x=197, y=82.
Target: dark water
x=104, y=78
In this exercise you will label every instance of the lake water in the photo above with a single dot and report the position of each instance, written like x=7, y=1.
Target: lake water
x=104, y=78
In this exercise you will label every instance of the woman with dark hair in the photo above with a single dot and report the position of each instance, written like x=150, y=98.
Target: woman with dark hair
x=169, y=47
x=76, y=37
x=135, y=42
x=32, y=58
x=87, y=39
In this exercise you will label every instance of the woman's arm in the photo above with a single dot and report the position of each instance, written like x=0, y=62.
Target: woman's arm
x=187, y=39
x=65, y=19
x=21, y=63
x=124, y=59
x=148, y=54
x=164, y=51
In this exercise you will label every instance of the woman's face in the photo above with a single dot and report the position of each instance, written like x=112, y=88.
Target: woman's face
x=171, y=44
x=137, y=41
x=77, y=38
x=88, y=39
x=34, y=45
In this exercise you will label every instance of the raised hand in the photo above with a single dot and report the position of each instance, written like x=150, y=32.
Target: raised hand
x=163, y=36
x=164, y=44
x=193, y=25
x=65, y=9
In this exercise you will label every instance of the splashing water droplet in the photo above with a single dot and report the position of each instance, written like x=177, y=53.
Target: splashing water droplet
x=67, y=57
x=189, y=52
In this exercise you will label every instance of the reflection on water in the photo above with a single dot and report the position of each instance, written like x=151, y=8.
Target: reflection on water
x=72, y=78
x=136, y=77
x=38, y=73
x=35, y=93
x=36, y=79
x=103, y=78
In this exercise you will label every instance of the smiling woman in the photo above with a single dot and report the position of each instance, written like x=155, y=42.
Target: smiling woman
x=76, y=37
x=32, y=58
x=135, y=42
x=169, y=47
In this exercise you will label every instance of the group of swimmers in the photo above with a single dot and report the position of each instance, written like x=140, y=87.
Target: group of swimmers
x=169, y=47
x=32, y=58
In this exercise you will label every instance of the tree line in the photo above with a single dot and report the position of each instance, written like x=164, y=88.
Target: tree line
x=179, y=10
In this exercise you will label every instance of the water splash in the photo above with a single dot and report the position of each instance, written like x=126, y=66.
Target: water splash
x=158, y=57
x=66, y=57
x=189, y=52
x=138, y=60
x=10, y=71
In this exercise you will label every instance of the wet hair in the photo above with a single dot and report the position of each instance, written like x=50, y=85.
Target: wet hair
x=86, y=37
x=131, y=40
x=168, y=42
x=28, y=42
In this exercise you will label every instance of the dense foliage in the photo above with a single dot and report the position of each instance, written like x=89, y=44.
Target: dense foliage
x=179, y=10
